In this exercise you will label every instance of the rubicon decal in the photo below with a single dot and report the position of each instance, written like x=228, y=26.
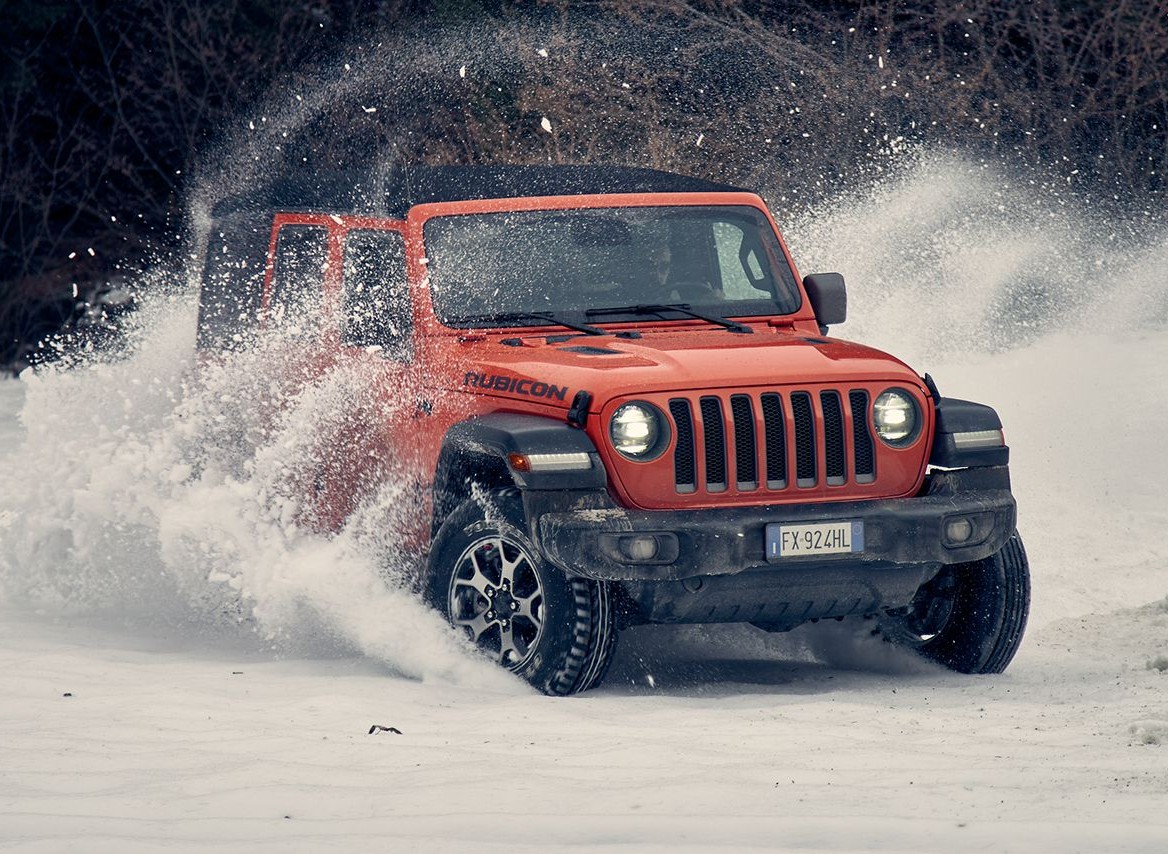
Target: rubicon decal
x=514, y=385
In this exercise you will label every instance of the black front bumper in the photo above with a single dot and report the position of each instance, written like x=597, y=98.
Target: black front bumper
x=580, y=531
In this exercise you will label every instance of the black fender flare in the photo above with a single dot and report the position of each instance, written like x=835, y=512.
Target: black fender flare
x=483, y=450
x=956, y=417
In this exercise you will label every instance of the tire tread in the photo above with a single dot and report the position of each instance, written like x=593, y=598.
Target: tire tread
x=1016, y=581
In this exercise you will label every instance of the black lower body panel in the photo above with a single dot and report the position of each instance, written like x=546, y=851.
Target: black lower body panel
x=714, y=565
x=778, y=599
x=583, y=532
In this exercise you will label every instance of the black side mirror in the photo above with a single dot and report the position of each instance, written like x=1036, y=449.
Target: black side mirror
x=829, y=298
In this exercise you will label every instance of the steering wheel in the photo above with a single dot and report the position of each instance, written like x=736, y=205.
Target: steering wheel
x=694, y=290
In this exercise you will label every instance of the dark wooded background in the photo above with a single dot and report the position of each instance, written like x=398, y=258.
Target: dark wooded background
x=112, y=113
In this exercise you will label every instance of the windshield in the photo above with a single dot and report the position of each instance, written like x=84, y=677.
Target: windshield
x=724, y=259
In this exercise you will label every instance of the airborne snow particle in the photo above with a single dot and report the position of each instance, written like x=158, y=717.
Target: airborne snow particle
x=701, y=136
x=462, y=71
x=542, y=52
x=370, y=109
x=546, y=124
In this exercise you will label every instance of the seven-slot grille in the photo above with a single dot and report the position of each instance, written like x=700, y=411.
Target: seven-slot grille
x=777, y=440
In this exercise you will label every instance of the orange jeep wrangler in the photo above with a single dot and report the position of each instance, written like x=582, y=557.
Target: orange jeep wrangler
x=622, y=406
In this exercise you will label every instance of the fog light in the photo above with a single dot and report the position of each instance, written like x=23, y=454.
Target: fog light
x=958, y=530
x=640, y=548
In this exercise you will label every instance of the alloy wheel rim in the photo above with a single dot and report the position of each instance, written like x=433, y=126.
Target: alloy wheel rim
x=496, y=595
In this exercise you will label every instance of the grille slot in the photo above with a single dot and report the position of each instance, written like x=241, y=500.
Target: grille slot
x=714, y=431
x=745, y=453
x=775, y=427
x=804, y=438
x=684, y=469
x=834, y=453
x=865, y=461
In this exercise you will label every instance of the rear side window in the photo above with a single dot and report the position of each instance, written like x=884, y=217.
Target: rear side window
x=377, y=309
x=298, y=276
x=233, y=281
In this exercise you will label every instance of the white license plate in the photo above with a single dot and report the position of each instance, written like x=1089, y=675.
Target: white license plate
x=820, y=538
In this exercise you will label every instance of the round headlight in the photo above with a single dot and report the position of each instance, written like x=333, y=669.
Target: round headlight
x=635, y=430
x=895, y=415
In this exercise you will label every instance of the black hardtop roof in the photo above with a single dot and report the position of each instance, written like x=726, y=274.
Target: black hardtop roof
x=357, y=193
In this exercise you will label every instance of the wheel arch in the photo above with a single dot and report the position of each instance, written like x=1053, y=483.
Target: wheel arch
x=958, y=421
x=482, y=450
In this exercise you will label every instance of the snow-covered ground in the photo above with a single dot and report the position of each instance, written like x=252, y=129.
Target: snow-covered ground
x=180, y=668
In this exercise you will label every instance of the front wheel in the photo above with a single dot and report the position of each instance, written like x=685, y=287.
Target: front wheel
x=970, y=617
x=486, y=576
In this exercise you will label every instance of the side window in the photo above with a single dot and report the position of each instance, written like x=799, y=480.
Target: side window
x=233, y=281
x=377, y=307
x=743, y=275
x=298, y=276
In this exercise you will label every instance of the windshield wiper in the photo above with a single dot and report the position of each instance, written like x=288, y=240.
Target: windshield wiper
x=506, y=316
x=680, y=307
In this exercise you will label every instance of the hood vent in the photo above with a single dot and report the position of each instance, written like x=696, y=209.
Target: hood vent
x=592, y=351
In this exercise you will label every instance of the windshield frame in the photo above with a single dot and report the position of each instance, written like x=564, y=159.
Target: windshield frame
x=782, y=269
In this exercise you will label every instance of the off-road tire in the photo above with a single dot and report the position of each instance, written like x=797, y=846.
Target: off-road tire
x=971, y=616
x=563, y=632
